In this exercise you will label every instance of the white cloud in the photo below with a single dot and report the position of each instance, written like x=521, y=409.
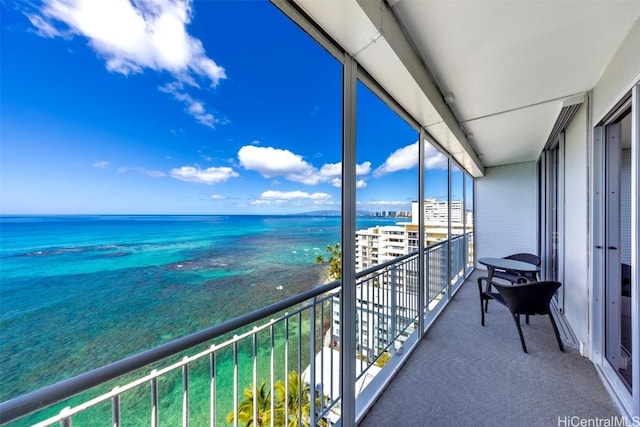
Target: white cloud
x=337, y=182
x=434, y=159
x=149, y=172
x=43, y=27
x=217, y=197
x=291, y=195
x=401, y=159
x=407, y=158
x=271, y=162
x=101, y=164
x=281, y=197
x=331, y=170
x=388, y=203
x=212, y=175
x=132, y=36
x=193, y=107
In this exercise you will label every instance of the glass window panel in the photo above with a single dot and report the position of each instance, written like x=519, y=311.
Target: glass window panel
x=387, y=159
x=457, y=207
x=436, y=195
x=208, y=170
x=436, y=223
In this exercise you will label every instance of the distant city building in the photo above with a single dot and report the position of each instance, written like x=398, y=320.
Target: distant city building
x=392, y=214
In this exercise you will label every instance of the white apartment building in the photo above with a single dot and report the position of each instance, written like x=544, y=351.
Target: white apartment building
x=380, y=312
x=379, y=244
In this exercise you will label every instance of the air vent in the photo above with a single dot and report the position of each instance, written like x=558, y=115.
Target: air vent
x=570, y=107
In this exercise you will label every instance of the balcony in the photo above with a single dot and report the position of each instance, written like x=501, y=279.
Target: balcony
x=458, y=373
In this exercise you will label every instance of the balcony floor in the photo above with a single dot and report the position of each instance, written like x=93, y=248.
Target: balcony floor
x=463, y=374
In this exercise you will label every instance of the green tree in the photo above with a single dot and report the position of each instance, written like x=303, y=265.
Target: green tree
x=245, y=408
x=334, y=258
x=294, y=403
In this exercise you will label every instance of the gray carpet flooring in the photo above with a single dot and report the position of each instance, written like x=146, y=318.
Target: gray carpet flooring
x=463, y=374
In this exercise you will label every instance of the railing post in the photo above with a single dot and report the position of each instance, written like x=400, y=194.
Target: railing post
x=423, y=279
x=449, y=227
x=348, y=300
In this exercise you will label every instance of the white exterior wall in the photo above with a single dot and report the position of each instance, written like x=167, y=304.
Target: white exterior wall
x=619, y=76
x=576, y=209
x=506, y=211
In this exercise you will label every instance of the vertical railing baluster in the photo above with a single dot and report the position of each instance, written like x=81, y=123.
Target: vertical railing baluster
x=154, y=400
x=286, y=367
x=115, y=409
x=212, y=388
x=312, y=373
x=185, y=393
x=394, y=303
x=66, y=421
x=235, y=381
x=372, y=322
x=322, y=353
x=416, y=283
x=273, y=344
x=300, y=383
x=361, y=319
x=427, y=281
x=255, y=376
x=383, y=307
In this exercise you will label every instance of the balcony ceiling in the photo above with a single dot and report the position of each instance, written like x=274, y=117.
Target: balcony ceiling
x=509, y=65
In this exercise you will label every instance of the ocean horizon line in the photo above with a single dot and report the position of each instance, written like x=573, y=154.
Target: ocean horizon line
x=312, y=213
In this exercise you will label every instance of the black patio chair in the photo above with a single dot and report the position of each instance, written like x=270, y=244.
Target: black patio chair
x=514, y=277
x=530, y=299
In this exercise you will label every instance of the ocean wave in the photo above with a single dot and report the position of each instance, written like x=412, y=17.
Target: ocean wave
x=197, y=264
x=114, y=250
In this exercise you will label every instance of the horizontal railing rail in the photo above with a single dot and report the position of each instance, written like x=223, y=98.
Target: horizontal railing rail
x=399, y=281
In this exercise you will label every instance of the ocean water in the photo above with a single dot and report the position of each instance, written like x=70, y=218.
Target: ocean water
x=78, y=292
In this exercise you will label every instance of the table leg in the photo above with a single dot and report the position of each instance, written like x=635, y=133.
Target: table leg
x=490, y=271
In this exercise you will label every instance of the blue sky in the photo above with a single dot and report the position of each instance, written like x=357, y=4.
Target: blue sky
x=165, y=106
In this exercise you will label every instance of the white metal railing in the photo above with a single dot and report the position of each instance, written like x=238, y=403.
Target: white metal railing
x=277, y=370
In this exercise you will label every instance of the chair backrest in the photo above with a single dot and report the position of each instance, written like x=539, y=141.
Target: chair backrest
x=528, y=298
x=524, y=257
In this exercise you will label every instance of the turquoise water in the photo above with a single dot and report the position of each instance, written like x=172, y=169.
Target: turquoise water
x=78, y=292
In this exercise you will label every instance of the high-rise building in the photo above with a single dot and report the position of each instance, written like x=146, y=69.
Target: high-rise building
x=377, y=245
